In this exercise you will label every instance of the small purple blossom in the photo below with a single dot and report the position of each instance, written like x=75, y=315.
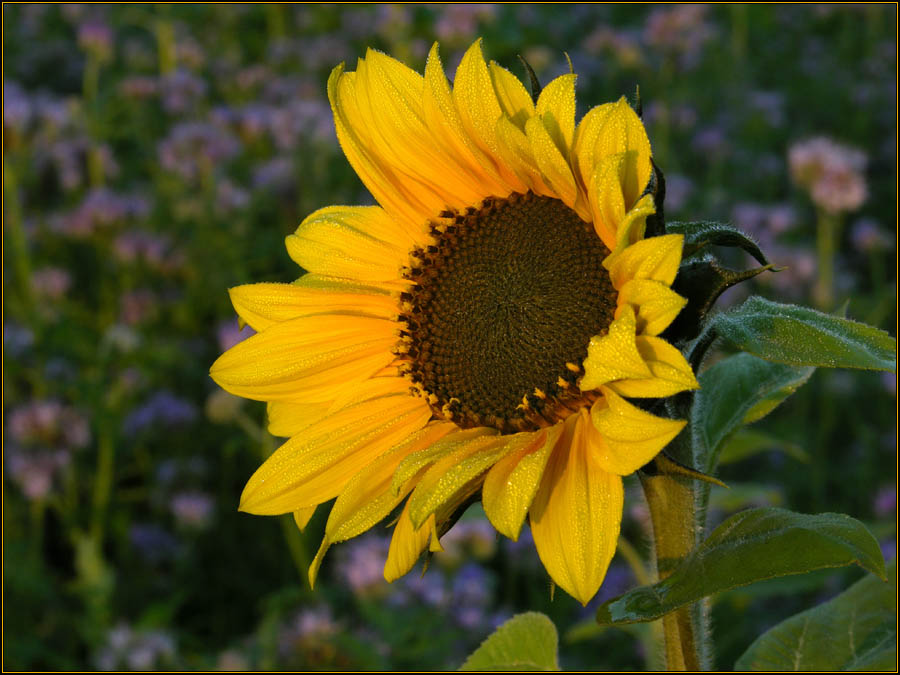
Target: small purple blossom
x=181, y=92
x=96, y=37
x=194, y=148
x=192, y=509
x=162, y=409
x=152, y=542
x=361, y=565
x=868, y=237
x=129, y=649
x=230, y=333
x=100, y=208
x=885, y=502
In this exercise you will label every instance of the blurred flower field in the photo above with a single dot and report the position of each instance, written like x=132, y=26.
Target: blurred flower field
x=156, y=155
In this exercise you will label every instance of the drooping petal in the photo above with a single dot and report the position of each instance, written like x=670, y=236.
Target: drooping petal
x=452, y=473
x=516, y=152
x=512, y=482
x=471, y=439
x=354, y=242
x=315, y=466
x=577, y=513
x=630, y=436
x=303, y=516
x=407, y=544
x=655, y=304
x=655, y=258
x=614, y=356
x=261, y=305
x=367, y=498
x=312, y=355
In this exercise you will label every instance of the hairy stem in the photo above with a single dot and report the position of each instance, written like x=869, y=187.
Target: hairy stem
x=673, y=511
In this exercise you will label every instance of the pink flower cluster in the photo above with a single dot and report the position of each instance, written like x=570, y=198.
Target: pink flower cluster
x=832, y=173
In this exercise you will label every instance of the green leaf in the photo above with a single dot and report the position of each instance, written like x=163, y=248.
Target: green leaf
x=700, y=235
x=739, y=496
x=751, y=546
x=857, y=630
x=745, y=443
x=737, y=390
x=800, y=336
x=526, y=642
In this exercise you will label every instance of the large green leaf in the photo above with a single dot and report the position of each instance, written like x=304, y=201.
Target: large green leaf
x=857, y=630
x=751, y=546
x=526, y=642
x=800, y=336
x=737, y=390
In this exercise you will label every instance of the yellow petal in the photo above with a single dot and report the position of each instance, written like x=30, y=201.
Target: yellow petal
x=606, y=200
x=407, y=544
x=556, y=108
x=289, y=418
x=367, y=499
x=655, y=258
x=512, y=95
x=261, y=305
x=512, y=482
x=390, y=96
x=655, y=303
x=479, y=109
x=576, y=514
x=451, y=474
x=614, y=356
x=671, y=371
x=585, y=142
x=314, y=353
x=479, y=437
x=515, y=151
x=630, y=436
x=634, y=225
x=315, y=466
x=303, y=516
x=351, y=128
x=554, y=168
x=354, y=242
x=446, y=126
x=623, y=132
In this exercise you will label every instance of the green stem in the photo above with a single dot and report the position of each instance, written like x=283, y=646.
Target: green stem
x=673, y=511
x=13, y=227
x=827, y=229
x=102, y=483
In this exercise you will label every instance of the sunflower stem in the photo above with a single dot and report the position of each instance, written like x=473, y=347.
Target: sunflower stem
x=673, y=512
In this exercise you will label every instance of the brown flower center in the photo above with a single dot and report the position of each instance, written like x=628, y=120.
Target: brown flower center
x=500, y=310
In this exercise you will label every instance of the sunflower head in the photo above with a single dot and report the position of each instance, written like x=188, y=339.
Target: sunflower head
x=478, y=333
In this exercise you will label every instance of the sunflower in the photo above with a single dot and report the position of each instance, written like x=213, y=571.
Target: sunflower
x=476, y=334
